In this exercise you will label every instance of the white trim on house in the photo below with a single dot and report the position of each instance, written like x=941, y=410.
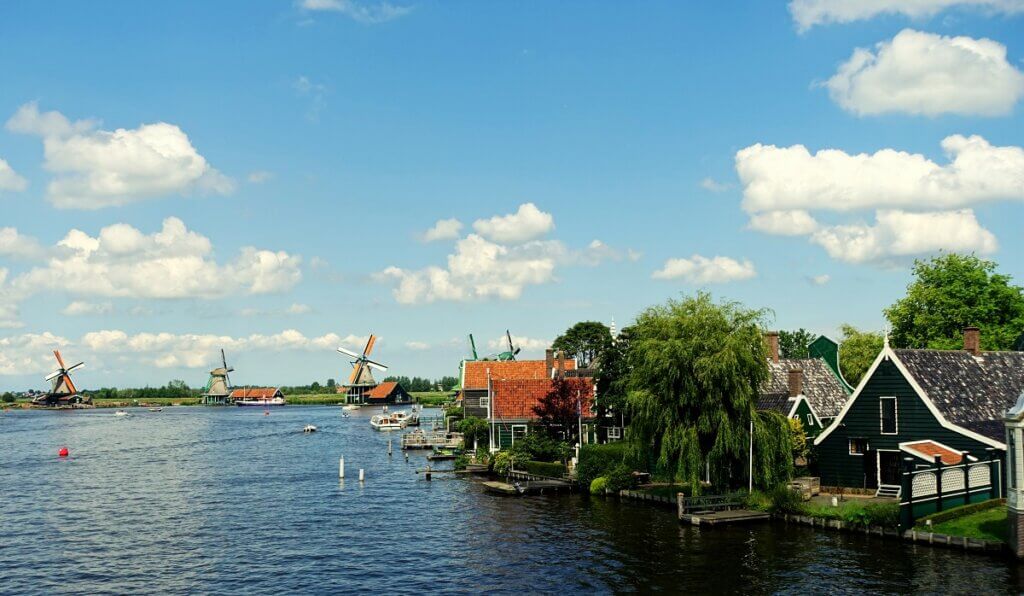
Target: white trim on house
x=895, y=415
x=614, y=432
x=887, y=353
x=796, y=404
x=512, y=432
x=905, y=446
x=878, y=467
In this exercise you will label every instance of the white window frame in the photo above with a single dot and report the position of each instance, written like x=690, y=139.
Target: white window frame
x=526, y=430
x=895, y=415
x=867, y=446
x=614, y=432
x=485, y=402
x=810, y=420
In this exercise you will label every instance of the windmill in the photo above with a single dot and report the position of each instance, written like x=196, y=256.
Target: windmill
x=361, y=380
x=218, y=387
x=512, y=350
x=62, y=388
x=472, y=348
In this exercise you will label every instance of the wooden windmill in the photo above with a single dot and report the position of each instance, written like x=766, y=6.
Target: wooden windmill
x=218, y=387
x=361, y=380
x=62, y=389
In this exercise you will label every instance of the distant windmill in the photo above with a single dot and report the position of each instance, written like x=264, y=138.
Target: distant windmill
x=218, y=387
x=512, y=350
x=62, y=388
x=472, y=348
x=362, y=365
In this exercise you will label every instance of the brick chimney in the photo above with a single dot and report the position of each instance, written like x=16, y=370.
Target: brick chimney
x=773, y=345
x=549, y=362
x=796, y=382
x=561, y=364
x=972, y=340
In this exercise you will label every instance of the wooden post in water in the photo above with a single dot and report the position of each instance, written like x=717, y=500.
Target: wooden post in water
x=389, y=447
x=341, y=468
x=428, y=472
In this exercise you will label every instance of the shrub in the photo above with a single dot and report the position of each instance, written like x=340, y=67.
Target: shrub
x=598, y=460
x=8, y=398
x=543, y=468
x=483, y=456
x=943, y=516
x=786, y=500
x=501, y=463
x=598, y=486
x=461, y=462
x=540, y=447
x=757, y=500
x=620, y=478
x=472, y=428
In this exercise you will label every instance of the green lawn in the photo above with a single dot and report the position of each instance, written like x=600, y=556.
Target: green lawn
x=432, y=398
x=988, y=524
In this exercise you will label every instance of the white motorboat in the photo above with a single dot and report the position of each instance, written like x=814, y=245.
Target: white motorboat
x=309, y=428
x=121, y=413
x=350, y=407
x=265, y=402
x=156, y=409
x=389, y=421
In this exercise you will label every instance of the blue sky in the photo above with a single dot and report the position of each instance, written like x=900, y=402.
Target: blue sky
x=302, y=150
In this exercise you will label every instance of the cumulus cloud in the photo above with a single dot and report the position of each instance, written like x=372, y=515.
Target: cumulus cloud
x=94, y=169
x=898, y=235
x=927, y=74
x=787, y=178
x=808, y=13
x=527, y=223
x=784, y=223
x=820, y=280
x=9, y=179
x=362, y=12
x=81, y=307
x=16, y=245
x=30, y=353
x=298, y=309
x=527, y=344
x=703, y=270
x=714, y=185
x=444, y=229
x=259, y=176
x=418, y=346
x=8, y=303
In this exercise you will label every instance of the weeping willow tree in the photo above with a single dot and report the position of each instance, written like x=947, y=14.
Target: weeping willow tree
x=695, y=369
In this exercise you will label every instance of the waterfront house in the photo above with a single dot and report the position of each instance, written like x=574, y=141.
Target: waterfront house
x=920, y=404
x=792, y=404
x=475, y=375
x=816, y=380
x=512, y=404
x=388, y=392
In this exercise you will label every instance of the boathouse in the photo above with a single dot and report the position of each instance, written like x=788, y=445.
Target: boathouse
x=388, y=392
x=920, y=404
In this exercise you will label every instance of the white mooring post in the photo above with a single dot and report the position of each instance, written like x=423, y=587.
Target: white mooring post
x=341, y=468
x=389, y=447
x=361, y=476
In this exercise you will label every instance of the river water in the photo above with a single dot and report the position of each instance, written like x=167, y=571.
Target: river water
x=230, y=501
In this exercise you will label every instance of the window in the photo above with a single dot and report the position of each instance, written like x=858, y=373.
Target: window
x=518, y=432
x=485, y=402
x=614, y=432
x=858, y=446
x=887, y=412
x=810, y=420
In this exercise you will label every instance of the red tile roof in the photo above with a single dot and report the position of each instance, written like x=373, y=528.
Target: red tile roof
x=475, y=372
x=515, y=399
x=929, y=449
x=381, y=391
x=254, y=393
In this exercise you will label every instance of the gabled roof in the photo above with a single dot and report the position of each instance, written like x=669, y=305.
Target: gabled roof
x=822, y=388
x=970, y=391
x=475, y=371
x=515, y=399
x=382, y=391
x=775, y=402
x=255, y=393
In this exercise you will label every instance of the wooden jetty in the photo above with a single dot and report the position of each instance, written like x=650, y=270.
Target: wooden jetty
x=715, y=510
x=418, y=439
x=526, y=487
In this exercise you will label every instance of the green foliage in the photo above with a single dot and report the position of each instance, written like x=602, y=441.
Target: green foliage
x=483, y=455
x=785, y=500
x=857, y=351
x=584, y=341
x=424, y=385
x=954, y=291
x=501, y=463
x=793, y=344
x=858, y=514
x=757, y=500
x=174, y=389
x=461, y=462
x=619, y=478
x=598, y=460
x=951, y=514
x=773, y=449
x=543, y=468
x=8, y=398
x=598, y=485
x=558, y=411
x=695, y=369
x=798, y=436
x=540, y=447
x=987, y=523
x=432, y=398
x=473, y=429
x=613, y=375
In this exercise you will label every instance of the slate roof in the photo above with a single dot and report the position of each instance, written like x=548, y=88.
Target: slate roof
x=775, y=402
x=475, y=372
x=821, y=387
x=515, y=399
x=972, y=392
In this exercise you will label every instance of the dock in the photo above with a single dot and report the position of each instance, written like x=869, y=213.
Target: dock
x=714, y=518
x=526, y=487
x=438, y=439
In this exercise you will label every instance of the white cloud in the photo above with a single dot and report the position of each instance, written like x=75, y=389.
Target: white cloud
x=8, y=303
x=30, y=353
x=298, y=309
x=927, y=74
x=784, y=223
x=363, y=12
x=808, y=13
x=81, y=307
x=418, y=346
x=478, y=269
x=527, y=344
x=714, y=185
x=444, y=229
x=820, y=280
x=788, y=178
x=899, y=235
x=702, y=270
x=16, y=245
x=527, y=223
x=98, y=168
x=259, y=176
x=315, y=92
x=9, y=179
x=175, y=262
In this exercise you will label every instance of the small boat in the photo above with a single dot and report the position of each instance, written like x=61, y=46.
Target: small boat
x=388, y=422
x=309, y=428
x=260, y=401
x=156, y=409
x=350, y=407
x=345, y=415
x=121, y=413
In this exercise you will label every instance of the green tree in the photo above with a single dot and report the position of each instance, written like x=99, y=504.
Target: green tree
x=584, y=341
x=8, y=398
x=474, y=431
x=857, y=351
x=695, y=368
x=613, y=374
x=793, y=344
x=953, y=291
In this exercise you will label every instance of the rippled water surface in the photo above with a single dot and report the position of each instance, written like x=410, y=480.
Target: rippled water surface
x=231, y=501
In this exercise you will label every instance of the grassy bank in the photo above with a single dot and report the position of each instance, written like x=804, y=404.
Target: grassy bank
x=986, y=521
x=853, y=512
x=159, y=401
x=432, y=398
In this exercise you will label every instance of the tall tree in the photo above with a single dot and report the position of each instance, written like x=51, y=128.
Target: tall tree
x=584, y=341
x=857, y=350
x=613, y=374
x=793, y=344
x=695, y=369
x=559, y=410
x=953, y=291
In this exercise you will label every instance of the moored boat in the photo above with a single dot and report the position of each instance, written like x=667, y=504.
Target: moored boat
x=396, y=421
x=260, y=401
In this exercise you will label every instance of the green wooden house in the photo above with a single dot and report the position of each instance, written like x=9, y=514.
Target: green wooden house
x=919, y=404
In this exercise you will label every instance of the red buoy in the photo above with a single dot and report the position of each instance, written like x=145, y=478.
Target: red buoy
x=63, y=452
